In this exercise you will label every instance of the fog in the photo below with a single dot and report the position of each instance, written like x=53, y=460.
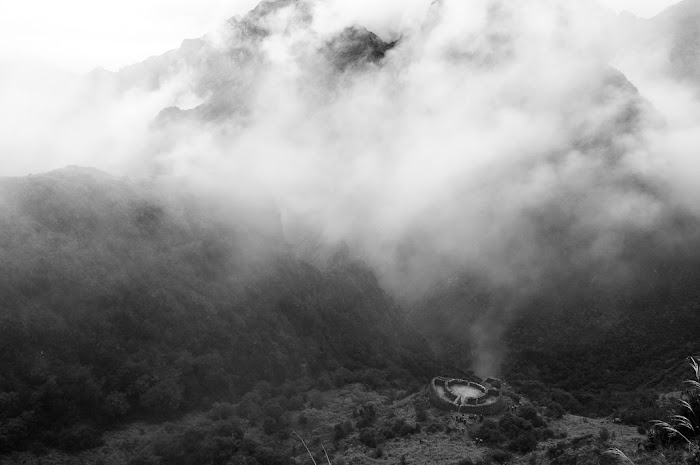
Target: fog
x=494, y=137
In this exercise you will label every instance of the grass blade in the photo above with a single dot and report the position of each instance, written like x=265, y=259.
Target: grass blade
x=618, y=455
x=307, y=448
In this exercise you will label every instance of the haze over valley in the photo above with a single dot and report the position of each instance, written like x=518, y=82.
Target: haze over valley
x=282, y=230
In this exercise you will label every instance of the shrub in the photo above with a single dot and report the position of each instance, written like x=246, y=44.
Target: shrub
x=546, y=433
x=165, y=396
x=14, y=431
x=339, y=432
x=246, y=408
x=9, y=403
x=555, y=410
x=227, y=428
x=205, y=443
x=565, y=399
x=529, y=413
x=367, y=415
x=324, y=382
x=433, y=428
x=490, y=433
x=371, y=437
x=421, y=413
x=273, y=409
x=341, y=377
x=500, y=456
x=221, y=411
x=116, y=405
x=526, y=442
x=401, y=428
x=269, y=425
x=79, y=437
x=295, y=403
x=315, y=399
x=388, y=433
x=263, y=389
x=514, y=425
x=373, y=378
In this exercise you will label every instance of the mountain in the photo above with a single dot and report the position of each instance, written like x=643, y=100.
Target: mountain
x=587, y=330
x=122, y=297
x=560, y=260
x=680, y=24
x=224, y=67
x=607, y=111
x=673, y=34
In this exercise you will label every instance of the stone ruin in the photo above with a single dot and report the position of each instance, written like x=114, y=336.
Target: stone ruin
x=466, y=396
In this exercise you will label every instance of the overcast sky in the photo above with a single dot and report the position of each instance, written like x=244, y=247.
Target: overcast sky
x=79, y=35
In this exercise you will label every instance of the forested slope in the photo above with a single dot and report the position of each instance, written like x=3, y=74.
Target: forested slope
x=122, y=298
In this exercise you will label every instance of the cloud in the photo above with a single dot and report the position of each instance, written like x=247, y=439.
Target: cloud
x=493, y=138
x=644, y=9
x=79, y=35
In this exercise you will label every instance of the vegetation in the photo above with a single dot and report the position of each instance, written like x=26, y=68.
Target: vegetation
x=683, y=426
x=576, y=343
x=520, y=432
x=675, y=440
x=122, y=306
x=119, y=305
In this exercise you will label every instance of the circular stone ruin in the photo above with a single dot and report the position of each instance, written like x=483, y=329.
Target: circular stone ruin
x=467, y=391
x=466, y=396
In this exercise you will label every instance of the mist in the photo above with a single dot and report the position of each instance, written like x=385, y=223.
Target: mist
x=512, y=141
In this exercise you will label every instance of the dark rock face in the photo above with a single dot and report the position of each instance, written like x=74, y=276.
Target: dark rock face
x=354, y=47
x=225, y=74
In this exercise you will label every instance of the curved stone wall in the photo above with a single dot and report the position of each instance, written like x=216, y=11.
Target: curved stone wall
x=441, y=396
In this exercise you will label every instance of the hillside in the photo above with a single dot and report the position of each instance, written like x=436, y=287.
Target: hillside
x=122, y=298
x=400, y=431
x=306, y=221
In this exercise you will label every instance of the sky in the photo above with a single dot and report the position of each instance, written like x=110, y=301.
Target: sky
x=80, y=35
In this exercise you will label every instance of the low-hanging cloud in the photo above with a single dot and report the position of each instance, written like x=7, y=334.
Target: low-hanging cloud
x=493, y=136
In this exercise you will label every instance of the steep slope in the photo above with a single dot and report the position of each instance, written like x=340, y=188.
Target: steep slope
x=680, y=24
x=123, y=298
x=585, y=329
x=671, y=40
x=595, y=309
